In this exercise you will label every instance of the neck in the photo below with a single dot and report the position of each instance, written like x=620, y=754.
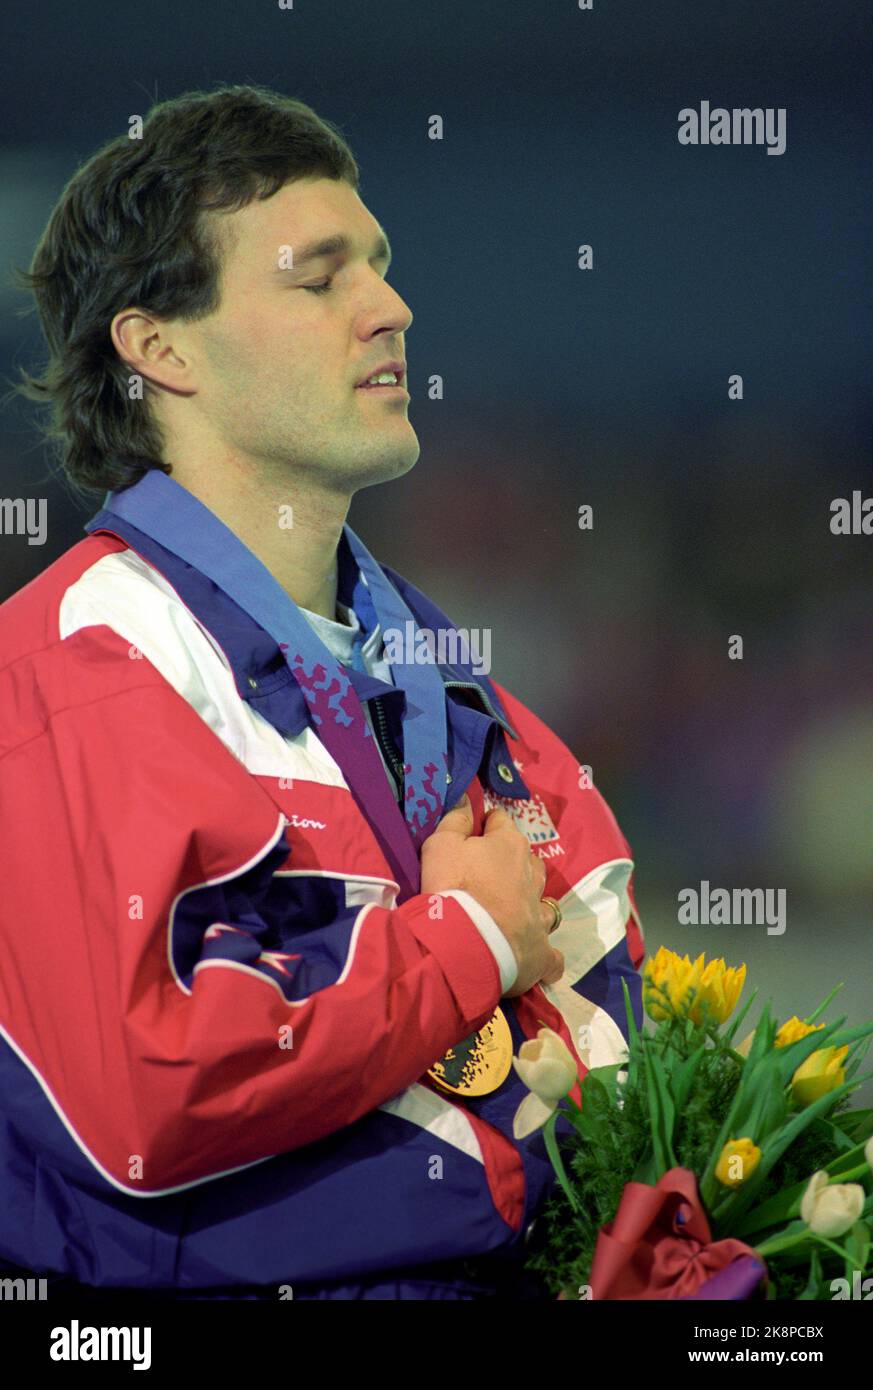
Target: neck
x=294, y=529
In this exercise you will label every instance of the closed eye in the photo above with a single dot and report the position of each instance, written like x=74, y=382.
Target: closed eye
x=324, y=285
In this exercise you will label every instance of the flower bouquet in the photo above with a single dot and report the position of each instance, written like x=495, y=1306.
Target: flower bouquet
x=700, y=1169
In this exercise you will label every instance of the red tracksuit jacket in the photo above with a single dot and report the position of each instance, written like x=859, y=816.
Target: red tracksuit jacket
x=184, y=878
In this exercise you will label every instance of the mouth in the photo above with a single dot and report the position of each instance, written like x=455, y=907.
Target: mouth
x=390, y=379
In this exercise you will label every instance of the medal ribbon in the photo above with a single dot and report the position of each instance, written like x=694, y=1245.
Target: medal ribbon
x=177, y=520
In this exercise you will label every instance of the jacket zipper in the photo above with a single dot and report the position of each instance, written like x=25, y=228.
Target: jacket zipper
x=383, y=738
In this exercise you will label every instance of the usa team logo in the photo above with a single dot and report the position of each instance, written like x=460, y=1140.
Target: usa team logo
x=531, y=817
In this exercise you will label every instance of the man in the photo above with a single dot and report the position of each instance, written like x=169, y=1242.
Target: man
x=276, y=911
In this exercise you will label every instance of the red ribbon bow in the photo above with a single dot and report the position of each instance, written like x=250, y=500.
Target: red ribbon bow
x=660, y=1245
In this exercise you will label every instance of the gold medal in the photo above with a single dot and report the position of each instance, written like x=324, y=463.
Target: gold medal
x=478, y=1064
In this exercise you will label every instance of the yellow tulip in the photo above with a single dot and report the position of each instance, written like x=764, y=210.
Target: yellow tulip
x=718, y=992
x=793, y=1030
x=831, y=1210
x=821, y=1072
x=737, y=1161
x=668, y=982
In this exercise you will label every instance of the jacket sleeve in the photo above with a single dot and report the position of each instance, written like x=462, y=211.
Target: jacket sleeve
x=138, y=979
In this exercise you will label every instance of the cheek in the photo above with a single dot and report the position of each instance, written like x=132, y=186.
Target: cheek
x=270, y=356
x=228, y=348
x=259, y=338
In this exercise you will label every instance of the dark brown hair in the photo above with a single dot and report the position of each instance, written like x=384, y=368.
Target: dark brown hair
x=129, y=229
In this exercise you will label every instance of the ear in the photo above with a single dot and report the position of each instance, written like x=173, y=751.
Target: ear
x=153, y=348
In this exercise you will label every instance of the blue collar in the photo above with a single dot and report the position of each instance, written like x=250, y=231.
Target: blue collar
x=261, y=674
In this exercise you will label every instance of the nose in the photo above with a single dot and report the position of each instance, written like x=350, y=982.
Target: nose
x=391, y=313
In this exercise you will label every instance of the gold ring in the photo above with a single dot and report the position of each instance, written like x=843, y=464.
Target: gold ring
x=557, y=911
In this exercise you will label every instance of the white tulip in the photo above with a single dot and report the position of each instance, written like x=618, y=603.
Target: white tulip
x=548, y=1069
x=530, y=1115
x=831, y=1209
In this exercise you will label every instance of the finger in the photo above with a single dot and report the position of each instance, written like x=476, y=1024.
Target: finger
x=556, y=968
x=547, y=918
x=540, y=869
x=459, y=820
x=497, y=820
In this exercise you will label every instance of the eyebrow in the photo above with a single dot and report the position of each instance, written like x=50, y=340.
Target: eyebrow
x=337, y=245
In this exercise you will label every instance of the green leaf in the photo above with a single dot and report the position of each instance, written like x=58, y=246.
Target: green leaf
x=783, y=1206
x=594, y=1118
x=662, y=1113
x=766, y=1106
x=557, y=1162
x=632, y=1030
x=683, y=1078
x=761, y=1045
x=763, y=1039
x=731, y=1031
x=647, y=1170
x=571, y=1112
x=856, y=1056
x=608, y=1079
x=738, y=1202
x=848, y=1035
x=792, y=1235
x=834, y=1133
x=849, y=1159
x=857, y=1248
x=858, y=1124
x=810, y=1018
x=815, y=1279
x=636, y=1040
x=786, y=1203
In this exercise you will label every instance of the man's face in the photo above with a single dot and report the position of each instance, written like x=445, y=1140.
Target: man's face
x=277, y=365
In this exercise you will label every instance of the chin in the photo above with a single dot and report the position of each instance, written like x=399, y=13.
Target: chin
x=391, y=462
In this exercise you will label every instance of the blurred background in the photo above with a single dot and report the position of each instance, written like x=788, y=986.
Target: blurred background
x=565, y=387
